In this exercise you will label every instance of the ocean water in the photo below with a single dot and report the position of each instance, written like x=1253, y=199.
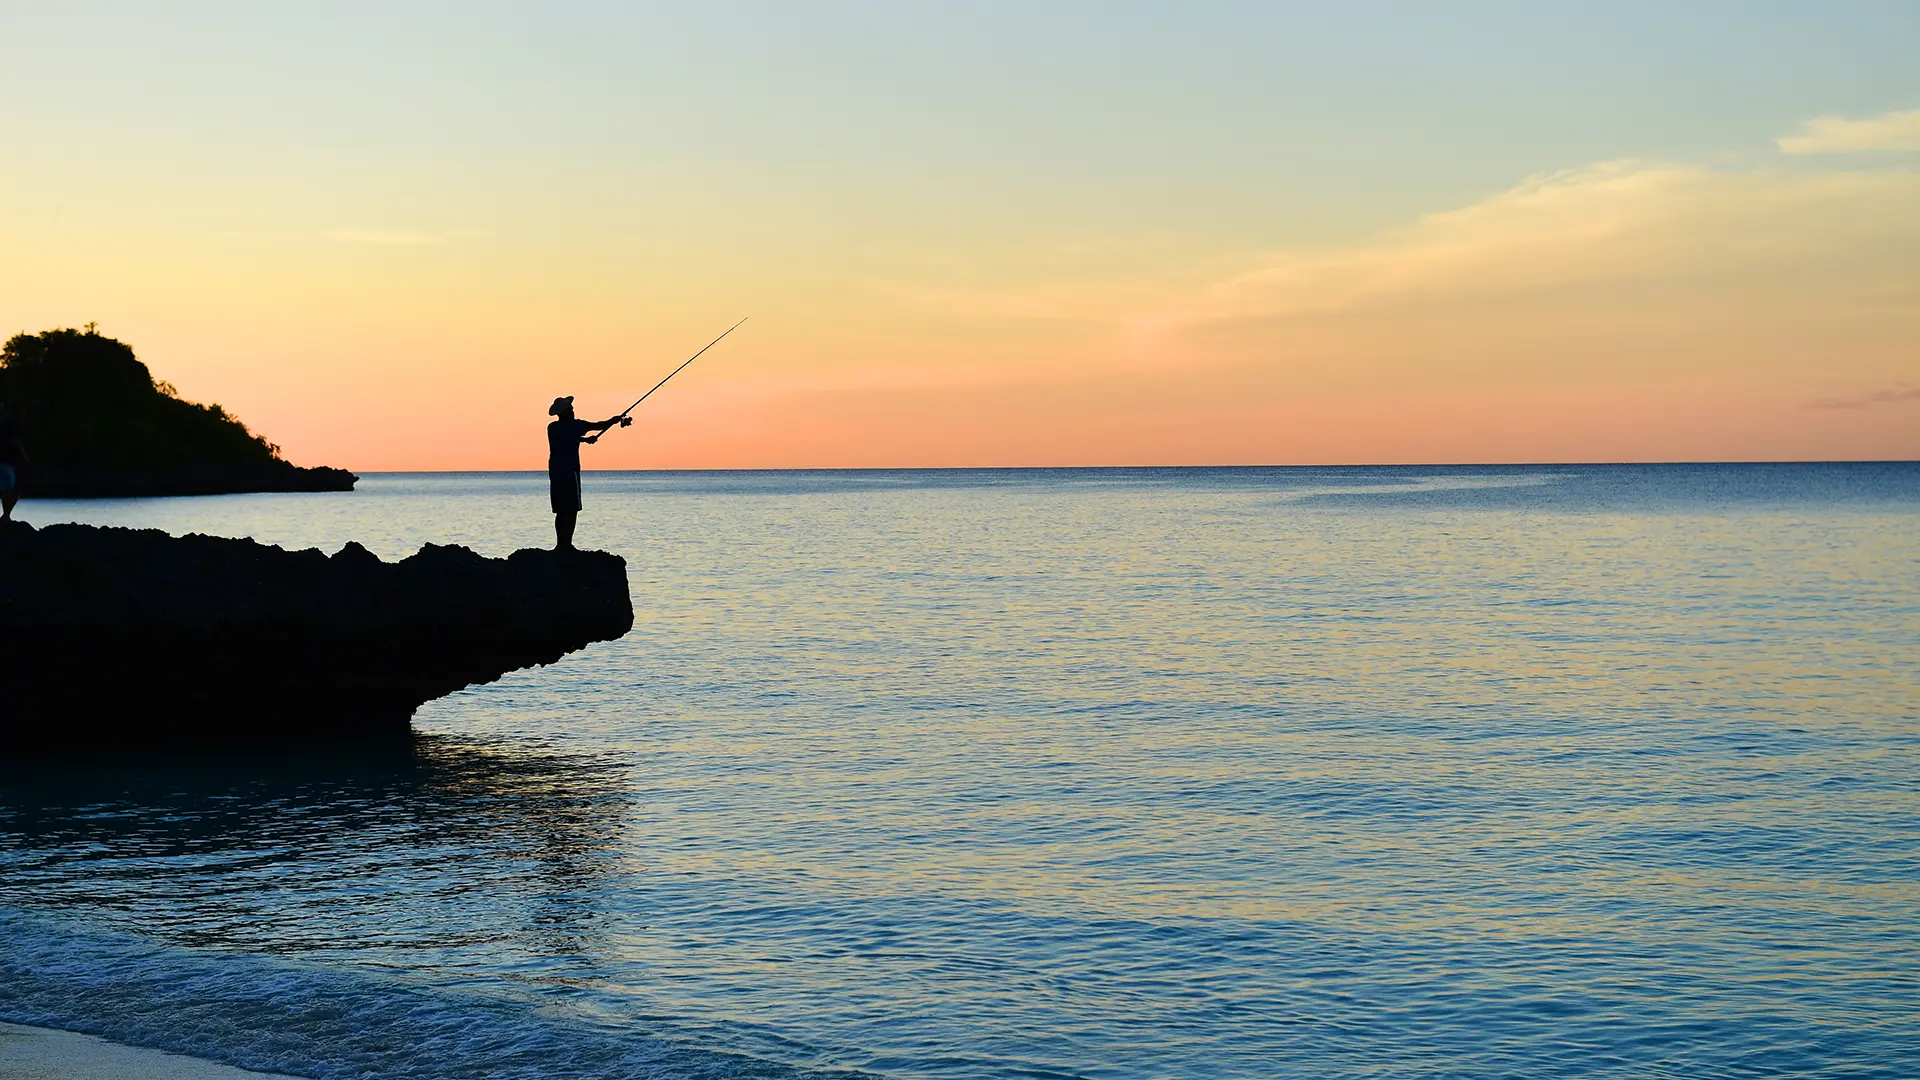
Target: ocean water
x=1571, y=771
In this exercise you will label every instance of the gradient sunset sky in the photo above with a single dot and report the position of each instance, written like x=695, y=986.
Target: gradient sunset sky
x=989, y=233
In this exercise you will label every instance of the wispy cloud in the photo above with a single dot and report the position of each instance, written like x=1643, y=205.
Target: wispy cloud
x=392, y=237
x=1516, y=284
x=1893, y=396
x=1839, y=135
x=1614, y=222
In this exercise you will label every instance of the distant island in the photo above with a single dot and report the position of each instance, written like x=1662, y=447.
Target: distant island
x=96, y=423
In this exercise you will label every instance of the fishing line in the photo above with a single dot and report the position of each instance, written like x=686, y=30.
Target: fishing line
x=677, y=370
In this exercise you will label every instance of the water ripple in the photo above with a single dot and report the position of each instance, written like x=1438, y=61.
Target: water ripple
x=1555, y=772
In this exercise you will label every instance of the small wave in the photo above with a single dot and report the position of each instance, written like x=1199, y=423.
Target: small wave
x=1425, y=485
x=305, y=1020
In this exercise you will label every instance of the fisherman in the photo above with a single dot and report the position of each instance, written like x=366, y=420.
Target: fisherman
x=13, y=456
x=564, y=437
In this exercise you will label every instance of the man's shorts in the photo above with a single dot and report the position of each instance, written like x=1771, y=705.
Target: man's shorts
x=565, y=490
x=7, y=478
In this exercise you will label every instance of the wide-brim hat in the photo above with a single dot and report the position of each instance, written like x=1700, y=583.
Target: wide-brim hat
x=560, y=405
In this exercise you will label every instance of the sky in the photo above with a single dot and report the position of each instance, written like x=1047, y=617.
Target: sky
x=987, y=234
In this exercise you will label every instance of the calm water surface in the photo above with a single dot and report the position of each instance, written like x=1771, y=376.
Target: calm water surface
x=1330, y=773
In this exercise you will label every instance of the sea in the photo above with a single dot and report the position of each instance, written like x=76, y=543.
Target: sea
x=1334, y=773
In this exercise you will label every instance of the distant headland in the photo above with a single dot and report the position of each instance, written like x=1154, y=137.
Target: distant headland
x=96, y=423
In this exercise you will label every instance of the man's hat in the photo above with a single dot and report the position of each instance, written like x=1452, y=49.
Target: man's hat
x=560, y=405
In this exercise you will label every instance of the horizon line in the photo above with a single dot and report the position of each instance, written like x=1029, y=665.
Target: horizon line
x=1061, y=468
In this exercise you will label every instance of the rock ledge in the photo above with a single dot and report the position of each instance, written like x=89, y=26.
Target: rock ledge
x=124, y=637
x=234, y=478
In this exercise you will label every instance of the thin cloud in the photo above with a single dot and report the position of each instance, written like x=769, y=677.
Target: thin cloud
x=1839, y=135
x=1612, y=222
x=1670, y=230
x=1862, y=401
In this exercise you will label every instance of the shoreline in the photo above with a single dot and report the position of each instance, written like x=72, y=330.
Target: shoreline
x=40, y=1053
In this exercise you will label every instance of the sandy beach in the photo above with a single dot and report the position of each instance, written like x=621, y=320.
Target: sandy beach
x=32, y=1053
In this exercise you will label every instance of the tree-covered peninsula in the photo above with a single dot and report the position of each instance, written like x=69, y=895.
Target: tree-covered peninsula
x=95, y=422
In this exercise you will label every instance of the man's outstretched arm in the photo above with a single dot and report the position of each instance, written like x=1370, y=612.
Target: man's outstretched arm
x=603, y=425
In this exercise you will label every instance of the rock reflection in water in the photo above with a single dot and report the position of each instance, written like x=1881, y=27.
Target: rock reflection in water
x=442, y=846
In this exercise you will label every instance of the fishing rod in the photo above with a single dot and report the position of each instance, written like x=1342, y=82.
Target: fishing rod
x=677, y=370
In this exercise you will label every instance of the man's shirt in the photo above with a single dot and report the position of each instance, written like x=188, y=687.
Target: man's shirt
x=563, y=444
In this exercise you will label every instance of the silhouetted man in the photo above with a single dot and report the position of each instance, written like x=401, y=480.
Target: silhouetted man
x=13, y=455
x=564, y=437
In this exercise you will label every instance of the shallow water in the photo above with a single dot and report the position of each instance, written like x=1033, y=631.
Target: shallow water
x=1529, y=772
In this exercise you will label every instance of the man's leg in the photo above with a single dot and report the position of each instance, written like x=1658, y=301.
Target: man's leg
x=6, y=504
x=563, y=521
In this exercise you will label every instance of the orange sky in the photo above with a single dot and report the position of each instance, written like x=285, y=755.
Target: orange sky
x=369, y=294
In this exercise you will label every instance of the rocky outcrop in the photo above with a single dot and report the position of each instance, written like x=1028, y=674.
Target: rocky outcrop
x=123, y=637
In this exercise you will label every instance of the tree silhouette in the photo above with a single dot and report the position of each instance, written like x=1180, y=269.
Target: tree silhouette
x=85, y=402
